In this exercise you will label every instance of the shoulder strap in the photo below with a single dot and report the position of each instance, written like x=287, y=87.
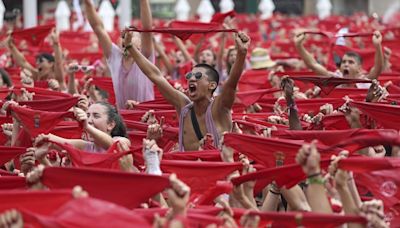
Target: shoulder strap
x=195, y=124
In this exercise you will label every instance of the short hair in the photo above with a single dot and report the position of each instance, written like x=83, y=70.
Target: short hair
x=354, y=55
x=47, y=56
x=104, y=94
x=113, y=115
x=211, y=72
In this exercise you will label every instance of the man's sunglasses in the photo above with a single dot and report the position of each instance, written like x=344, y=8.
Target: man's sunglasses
x=197, y=75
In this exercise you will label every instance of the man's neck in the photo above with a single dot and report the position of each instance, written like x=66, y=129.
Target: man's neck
x=200, y=106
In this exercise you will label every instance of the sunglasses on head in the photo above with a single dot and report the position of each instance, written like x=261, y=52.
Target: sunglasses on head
x=197, y=75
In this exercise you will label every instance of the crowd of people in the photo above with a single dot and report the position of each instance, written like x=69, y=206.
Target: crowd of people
x=240, y=122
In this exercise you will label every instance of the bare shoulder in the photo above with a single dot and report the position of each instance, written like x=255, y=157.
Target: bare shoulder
x=219, y=111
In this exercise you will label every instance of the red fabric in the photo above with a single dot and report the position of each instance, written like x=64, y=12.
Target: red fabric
x=40, y=202
x=327, y=84
x=184, y=30
x=51, y=105
x=253, y=80
x=42, y=122
x=170, y=116
x=41, y=93
x=90, y=212
x=207, y=198
x=12, y=182
x=373, y=138
x=342, y=92
x=268, y=151
x=126, y=190
x=204, y=155
x=352, y=139
x=384, y=186
x=248, y=98
x=168, y=132
x=34, y=36
x=220, y=17
x=303, y=219
x=68, y=129
x=313, y=105
x=199, y=176
x=9, y=153
x=368, y=164
x=386, y=115
x=107, y=85
x=80, y=158
x=92, y=57
x=284, y=176
x=335, y=121
x=147, y=106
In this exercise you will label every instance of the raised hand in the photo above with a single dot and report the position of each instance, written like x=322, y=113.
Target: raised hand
x=155, y=130
x=130, y=104
x=27, y=160
x=287, y=85
x=299, y=38
x=377, y=39
x=206, y=142
x=308, y=157
x=81, y=116
x=83, y=102
x=152, y=155
x=178, y=195
x=242, y=42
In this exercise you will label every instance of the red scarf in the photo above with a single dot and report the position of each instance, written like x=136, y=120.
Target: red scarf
x=34, y=36
x=36, y=122
x=199, y=176
x=9, y=153
x=127, y=188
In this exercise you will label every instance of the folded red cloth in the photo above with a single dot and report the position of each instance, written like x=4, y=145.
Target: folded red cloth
x=36, y=122
x=34, y=36
x=126, y=188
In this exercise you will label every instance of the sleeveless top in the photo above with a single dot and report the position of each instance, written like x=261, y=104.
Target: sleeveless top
x=210, y=125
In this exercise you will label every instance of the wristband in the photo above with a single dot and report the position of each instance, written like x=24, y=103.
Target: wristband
x=314, y=175
x=293, y=106
x=128, y=46
x=275, y=193
x=315, y=180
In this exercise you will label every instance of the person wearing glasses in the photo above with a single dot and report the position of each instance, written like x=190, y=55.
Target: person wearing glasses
x=47, y=68
x=128, y=80
x=199, y=113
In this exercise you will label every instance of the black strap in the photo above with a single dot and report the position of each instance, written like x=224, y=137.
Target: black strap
x=195, y=124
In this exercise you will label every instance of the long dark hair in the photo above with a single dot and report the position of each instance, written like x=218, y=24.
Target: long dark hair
x=113, y=115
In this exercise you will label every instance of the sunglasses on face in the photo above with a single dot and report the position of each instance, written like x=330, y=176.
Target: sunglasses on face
x=39, y=60
x=197, y=75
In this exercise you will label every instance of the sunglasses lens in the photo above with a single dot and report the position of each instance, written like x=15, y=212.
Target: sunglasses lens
x=198, y=75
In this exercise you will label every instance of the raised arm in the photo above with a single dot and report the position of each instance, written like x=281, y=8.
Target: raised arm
x=173, y=96
x=20, y=58
x=100, y=138
x=287, y=86
x=309, y=158
x=58, y=65
x=147, y=23
x=227, y=97
x=307, y=57
x=164, y=57
x=98, y=27
x=379, y=60
x=179, y=43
